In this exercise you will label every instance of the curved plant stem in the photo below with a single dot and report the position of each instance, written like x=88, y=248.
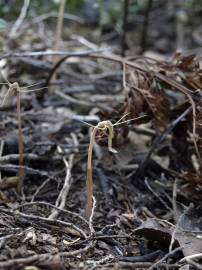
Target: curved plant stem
x=89, y=180
x=102, y=126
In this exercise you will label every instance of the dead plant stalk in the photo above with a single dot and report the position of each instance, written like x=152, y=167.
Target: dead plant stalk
x=14, y=90
x=20, y=141
x=58, y=35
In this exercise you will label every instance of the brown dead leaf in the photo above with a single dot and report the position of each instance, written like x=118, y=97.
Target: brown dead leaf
x=184, y=235
x=189, y=230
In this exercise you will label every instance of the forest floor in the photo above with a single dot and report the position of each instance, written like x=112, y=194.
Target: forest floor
x=146, y=197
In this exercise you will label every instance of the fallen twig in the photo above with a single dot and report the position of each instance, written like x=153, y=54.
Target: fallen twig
x=44, y=257
x=61, y=200
x=165, y=257
x=53, y=206
x=50, y=53
x=29, y=157
x=20, y=19
x=159, y=139
x=47, y=220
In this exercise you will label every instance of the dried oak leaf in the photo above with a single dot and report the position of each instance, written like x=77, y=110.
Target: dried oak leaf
x=186, y=63
x=190, y=186
x=152, y=98
x=154, y=230
x=199, y=127
x=187, y=232
x=190, y=68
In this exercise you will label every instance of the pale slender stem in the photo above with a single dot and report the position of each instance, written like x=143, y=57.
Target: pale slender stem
x=58, y=34
x=136, y=118
x=90, y=149
x=120, y=119
x=31, y=85
x=59, y=24
x=89, y=180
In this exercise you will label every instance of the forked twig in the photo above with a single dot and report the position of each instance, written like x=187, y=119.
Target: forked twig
x=20, y=19
x=61, y=200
